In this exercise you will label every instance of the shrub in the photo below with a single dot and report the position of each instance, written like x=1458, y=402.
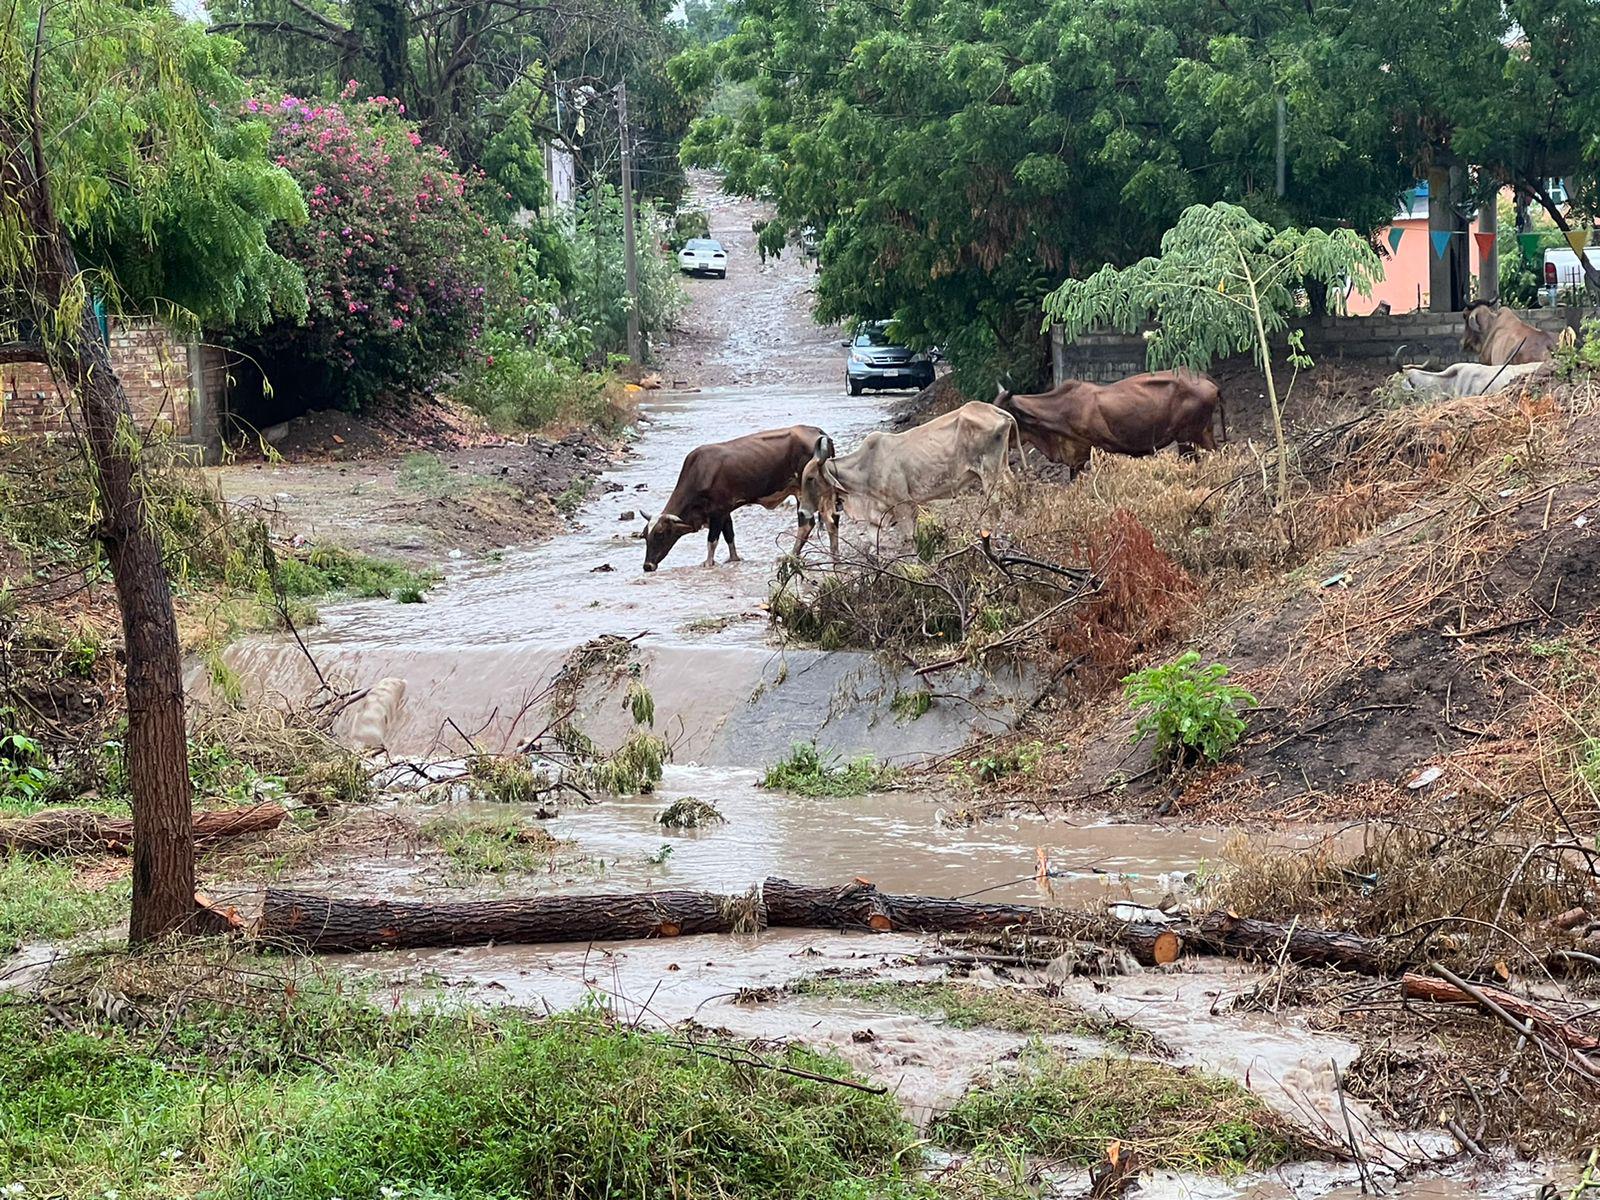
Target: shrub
x=1187, y=708
x=396, y=255
x=806, y=772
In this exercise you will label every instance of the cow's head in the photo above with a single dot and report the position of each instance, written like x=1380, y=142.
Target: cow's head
x=820, y=488
x=1479, y=320
x=1003, y=396
x=660, y=536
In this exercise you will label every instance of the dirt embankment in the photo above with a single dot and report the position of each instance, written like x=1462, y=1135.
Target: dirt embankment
x=418, y=482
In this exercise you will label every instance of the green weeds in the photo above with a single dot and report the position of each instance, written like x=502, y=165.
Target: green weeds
x=689, y=813
x=806, y=772
x=1069, y=1110
x=361, y=1102
x=502, y=844
x=43, y=899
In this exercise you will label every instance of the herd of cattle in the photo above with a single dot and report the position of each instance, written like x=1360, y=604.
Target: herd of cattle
x=882, y=482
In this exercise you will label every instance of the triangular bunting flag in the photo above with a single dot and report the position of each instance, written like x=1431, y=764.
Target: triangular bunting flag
x=1530, y=243
x=1485, y=246
x=1441, y=242
x=1577, y=239
x=1395, y=235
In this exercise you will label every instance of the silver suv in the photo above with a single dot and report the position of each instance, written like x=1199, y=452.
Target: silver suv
x=875, y=361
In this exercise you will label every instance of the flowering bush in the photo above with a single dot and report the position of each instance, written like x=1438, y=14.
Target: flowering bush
x=397, y=256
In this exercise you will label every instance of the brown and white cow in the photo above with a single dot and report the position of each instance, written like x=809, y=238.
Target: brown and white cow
x=759, y=468
x=1497, y=335
x=1134, y=416
x=883, y=480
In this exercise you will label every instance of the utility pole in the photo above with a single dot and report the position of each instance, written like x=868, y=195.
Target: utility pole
x=630, y=262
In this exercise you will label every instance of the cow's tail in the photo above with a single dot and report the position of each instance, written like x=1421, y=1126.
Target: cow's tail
x=1014, y=438
x=1222, y=419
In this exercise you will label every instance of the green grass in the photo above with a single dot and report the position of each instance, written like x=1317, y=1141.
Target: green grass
x=426, y=475
x=571, y=499
x=497, y=844
x=508, y=778
x=1069, y=1110
x=908, y=706
x=806, y=772
x=307, y=1099
x=42, y=899
x=330, y=571
x=969, y=1006
x=690, y=813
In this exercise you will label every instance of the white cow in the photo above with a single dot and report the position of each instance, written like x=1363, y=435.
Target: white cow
x=884, y=479
x=1466, y=379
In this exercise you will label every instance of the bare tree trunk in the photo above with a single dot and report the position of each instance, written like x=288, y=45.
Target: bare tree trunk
x=158, y=769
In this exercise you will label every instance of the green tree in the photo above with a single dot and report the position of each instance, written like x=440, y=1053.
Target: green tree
x=116, y=126
x=963, y=159
x=1223, y=283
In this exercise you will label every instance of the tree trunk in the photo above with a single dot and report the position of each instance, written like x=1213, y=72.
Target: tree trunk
x=861, y=906
x=317, y=923
x=158, y=768
x=83, y=831
x=1438, y=991
x=1222, y=933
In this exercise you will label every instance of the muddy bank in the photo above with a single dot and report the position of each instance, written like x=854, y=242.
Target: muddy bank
x=422, y=502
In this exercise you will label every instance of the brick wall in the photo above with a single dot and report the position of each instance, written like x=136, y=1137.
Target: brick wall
x=1105, y=357
x=155, y=371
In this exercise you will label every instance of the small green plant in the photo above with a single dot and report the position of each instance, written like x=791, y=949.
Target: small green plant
x=502, y=844
x=806, y=772
x=634, y=769
x=427, y=475
x=24, y=777
x=508, y=778
x=1582, y=354
x=642, y=704
x=1187, y=709
x=659, y=858
x=570, y=500
x=998, y=764
x=908, y=706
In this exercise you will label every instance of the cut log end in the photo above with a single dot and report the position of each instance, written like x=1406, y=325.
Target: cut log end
x=1166, y=948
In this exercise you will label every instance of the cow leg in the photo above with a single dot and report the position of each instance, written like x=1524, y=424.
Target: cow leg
x=713, y=532
x=833, y=537
x=727, y=535
x=802, y=534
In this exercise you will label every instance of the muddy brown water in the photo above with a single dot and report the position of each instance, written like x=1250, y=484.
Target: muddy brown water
x=475, y=657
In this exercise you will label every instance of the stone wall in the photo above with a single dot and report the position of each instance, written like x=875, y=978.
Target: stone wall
x=175, y=387
x=1105, y=357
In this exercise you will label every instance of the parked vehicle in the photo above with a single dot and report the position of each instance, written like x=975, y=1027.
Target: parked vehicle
x=703, y=256
x=1563, y=272
x=877, y=361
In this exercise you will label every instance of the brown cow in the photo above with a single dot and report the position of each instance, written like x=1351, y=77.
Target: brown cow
x=758, y=468
x=1497, y=335
x=1135, y=416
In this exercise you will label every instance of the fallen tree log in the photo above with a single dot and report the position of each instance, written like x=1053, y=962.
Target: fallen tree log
x=1545, y=1022
x=1247, y=937
x=84, y=831
x=860, y=905
x=318, y=923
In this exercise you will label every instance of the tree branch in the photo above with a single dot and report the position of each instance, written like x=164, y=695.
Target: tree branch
x=346, y=40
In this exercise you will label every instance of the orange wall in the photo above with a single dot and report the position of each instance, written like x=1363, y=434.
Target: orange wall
x=1406, y=271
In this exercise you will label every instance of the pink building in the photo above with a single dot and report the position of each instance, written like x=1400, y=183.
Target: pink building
x=1406, y=248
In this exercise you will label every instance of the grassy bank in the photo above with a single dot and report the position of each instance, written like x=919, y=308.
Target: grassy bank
x=320, y=1096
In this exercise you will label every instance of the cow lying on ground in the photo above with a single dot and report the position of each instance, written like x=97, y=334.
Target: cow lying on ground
x=1135, y=416
x=1497, y=335
x=1466, y=379
x=758, y=468
x=883, y=480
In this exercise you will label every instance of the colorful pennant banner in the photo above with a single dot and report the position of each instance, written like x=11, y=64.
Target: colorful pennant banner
x=1531, y=244
x=1577, y=239
x=1395, y=235
x=1441, y=242
x=1485, y=246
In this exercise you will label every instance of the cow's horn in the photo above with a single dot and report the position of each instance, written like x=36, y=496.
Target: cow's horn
x=824, y=448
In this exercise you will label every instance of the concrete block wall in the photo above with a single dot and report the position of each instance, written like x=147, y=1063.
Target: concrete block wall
x=1105, y=357
x=172, y=386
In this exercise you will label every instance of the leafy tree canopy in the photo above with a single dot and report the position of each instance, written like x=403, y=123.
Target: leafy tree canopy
x=166, y=192
x=963, y=159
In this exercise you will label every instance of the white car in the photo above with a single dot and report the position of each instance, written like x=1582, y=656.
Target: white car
x=703, y=256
